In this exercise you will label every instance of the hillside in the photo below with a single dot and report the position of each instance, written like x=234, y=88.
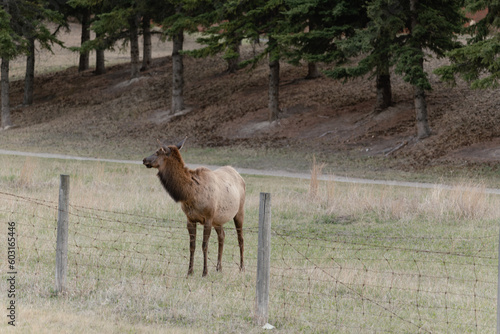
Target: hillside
x=82, y=113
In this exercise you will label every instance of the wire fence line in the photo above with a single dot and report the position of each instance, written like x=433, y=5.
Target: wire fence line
x=340, y=282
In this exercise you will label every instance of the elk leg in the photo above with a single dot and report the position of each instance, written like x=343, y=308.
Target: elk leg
x=238, y=223
x=206, y=235
x=221, y=234
x=191, y=226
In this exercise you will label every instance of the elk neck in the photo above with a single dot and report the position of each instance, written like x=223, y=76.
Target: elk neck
x=176, y=178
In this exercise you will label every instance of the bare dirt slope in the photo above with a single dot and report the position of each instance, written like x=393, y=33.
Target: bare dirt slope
x=84, y=111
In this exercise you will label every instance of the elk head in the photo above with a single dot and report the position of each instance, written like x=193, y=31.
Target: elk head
x=162, y=155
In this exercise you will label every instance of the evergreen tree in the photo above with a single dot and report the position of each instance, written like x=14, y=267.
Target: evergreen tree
x=22, y=22
x=375, y=43
x=433, y=26
x=315, y=28
x=85, y=19
x=229, y=22
x=147, y=55
x=267, y=18
x=88, y=11
x=115, y=20
x=83, y=12
x=478, y=62
x=10, y=43
x=119, y=20
x=180, y=17
x=223, y=31
x=35, y=14
x=402, y=33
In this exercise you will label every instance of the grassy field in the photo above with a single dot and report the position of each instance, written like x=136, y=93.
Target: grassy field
x=345, y=258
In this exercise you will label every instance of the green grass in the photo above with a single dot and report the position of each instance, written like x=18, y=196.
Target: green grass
x=347, y=258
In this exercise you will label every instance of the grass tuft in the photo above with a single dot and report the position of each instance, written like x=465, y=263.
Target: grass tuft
x=316, y=172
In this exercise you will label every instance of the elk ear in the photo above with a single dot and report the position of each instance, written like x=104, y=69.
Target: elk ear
x=165, y=150
x=163, y=147
x=159, y=142
x=181, y=144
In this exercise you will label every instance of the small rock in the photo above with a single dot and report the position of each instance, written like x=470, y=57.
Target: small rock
x=268, y=326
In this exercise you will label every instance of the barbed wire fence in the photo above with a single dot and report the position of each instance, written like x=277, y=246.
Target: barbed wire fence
x=344, y=282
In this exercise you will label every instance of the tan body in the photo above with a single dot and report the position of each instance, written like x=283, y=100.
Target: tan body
x=219, y=194
x=211, y=198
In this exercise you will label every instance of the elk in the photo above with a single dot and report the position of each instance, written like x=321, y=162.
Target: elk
x=211, y=198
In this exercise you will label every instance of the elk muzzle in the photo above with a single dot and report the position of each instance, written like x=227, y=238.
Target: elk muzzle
x=148, y=162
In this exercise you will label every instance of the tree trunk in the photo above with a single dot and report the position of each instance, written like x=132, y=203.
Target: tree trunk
x=384, y=90
x=274, y=82
x=30, y=73
x=84, y=57
x=100, y=66
x=146, y=53
x=134, y=46
x=312, y=71
x=6, y=122
x=233, y=62
x=177, y=73
x=312, y=67
x=423, y=129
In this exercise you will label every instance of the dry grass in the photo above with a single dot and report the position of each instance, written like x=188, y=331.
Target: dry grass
x=27, y=176
x=355, y=258
x=466, y=200
x=65, y=319
x=316, y=172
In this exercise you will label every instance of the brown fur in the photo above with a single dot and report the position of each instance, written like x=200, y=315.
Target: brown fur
x=210, y=198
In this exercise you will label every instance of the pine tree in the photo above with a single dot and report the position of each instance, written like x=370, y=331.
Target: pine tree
x=21, y=23
x=178, y=18
x=92, y=8
x=402, y=33
x=315, y=28
x=115, y=20
x=231, y=21
x=268, y=18
x=84, y=62
x=433, y=26
x=83, y=12
x=478, y=62
x=223, y=31
x=33, y=22
x=375, y=43
x=147, y=55
x=9, y=48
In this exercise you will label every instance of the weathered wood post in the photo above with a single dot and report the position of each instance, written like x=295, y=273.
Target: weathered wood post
x=263, y=260
x=498, y=289
x=62, y=235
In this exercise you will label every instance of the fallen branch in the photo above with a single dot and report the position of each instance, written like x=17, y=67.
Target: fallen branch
x=326, y=133
x=404, y=143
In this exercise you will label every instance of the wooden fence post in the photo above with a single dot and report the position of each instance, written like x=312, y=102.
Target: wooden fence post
x=263, y=260
x=62, y=235
x=498, y=289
